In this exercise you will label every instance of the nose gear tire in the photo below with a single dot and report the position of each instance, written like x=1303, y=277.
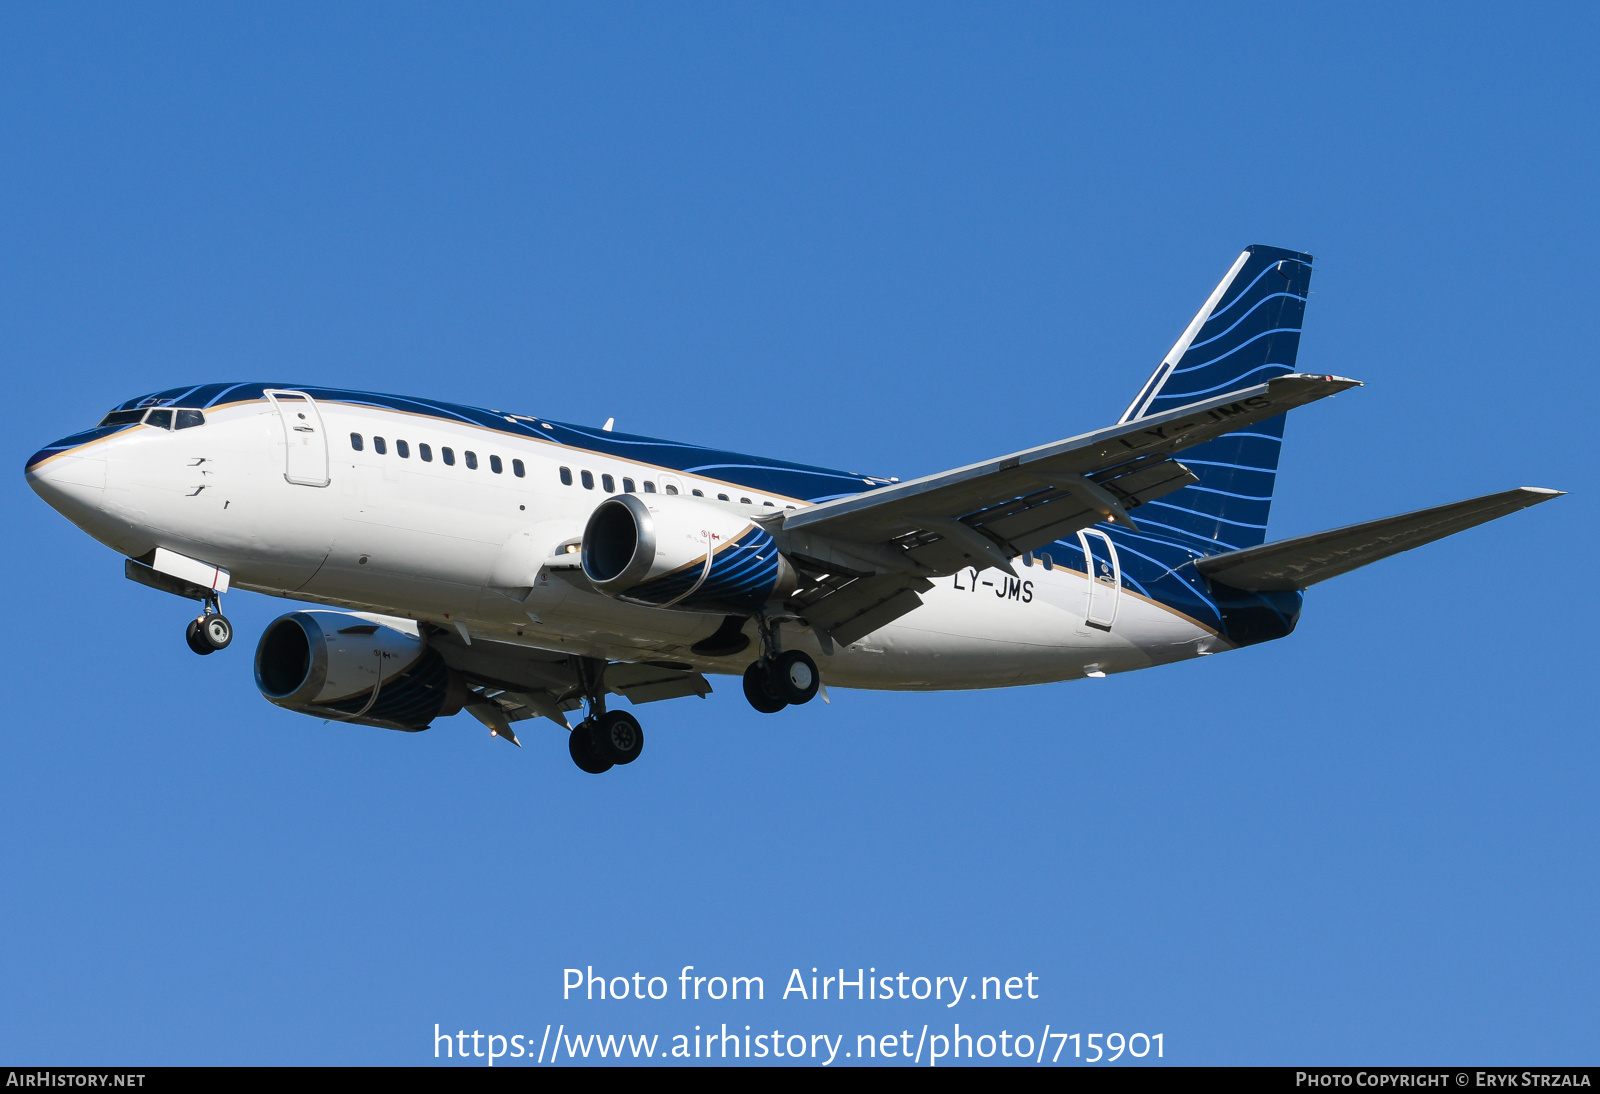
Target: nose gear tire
x=196, y=640
x=216, y=631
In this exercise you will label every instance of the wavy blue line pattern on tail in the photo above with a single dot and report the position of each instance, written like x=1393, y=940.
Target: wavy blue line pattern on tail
x=1251, y=335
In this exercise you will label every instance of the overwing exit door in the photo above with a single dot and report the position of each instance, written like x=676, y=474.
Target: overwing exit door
x=305, y=442
x=1105, y=578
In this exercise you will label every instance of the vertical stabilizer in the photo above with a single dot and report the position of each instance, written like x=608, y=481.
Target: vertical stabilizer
x=1247, y=332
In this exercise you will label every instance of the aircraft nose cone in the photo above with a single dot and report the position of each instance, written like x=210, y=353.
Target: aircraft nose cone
x=68, y=481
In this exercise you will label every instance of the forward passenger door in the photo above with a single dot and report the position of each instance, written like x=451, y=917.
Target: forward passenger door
x=305, y=441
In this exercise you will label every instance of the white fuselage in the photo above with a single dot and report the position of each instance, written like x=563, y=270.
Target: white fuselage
x=466, y=548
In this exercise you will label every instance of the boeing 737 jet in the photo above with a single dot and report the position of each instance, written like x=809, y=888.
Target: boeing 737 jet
x=515, y=567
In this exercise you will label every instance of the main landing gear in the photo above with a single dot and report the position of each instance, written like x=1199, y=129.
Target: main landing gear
x=779, y=679
x=605, y=738
x=210, y=632
x=596, y=744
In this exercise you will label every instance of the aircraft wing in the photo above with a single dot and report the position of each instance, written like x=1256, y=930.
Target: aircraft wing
x=1305, y=560
x=511, y=683
x=880, y=548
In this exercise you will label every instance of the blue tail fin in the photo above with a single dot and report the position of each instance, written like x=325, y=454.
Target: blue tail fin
x=1247, y=333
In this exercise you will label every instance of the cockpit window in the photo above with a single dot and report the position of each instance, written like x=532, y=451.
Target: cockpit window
x=122, y=417
x=161, y=418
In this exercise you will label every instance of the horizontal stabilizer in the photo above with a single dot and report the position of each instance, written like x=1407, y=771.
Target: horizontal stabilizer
x=1304, y=561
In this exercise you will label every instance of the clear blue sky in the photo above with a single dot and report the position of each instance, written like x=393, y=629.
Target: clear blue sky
x=895, y=239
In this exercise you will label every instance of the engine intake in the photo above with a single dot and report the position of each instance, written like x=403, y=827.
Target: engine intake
x=674, y=551
x=356, y=668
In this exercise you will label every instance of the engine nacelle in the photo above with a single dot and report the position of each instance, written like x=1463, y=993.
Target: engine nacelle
x=369, y=669
x=674, y=551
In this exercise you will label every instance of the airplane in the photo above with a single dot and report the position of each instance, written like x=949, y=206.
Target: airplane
x=516, y=567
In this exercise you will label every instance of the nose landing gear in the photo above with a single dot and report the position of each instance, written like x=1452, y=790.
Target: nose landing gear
x=210, y=632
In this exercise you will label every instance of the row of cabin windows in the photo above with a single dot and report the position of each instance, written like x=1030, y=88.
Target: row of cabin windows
x=448, y=455
x=609, y=485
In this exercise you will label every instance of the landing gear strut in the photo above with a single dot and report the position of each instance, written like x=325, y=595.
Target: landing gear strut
x=779, y=678
x=211, y=631
x=605, y=738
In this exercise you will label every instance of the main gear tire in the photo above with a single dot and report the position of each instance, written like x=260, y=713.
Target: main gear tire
x=582, y=744
x=759, y=689
x=619, y=737
x=795, y=678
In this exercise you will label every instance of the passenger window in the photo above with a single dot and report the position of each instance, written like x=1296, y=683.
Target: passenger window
x=744, y=501
x=627, y=486
x=566, y=476
x=517, y=469
x=671, y=489
x=425, y=452
x=495, y=465
x=608, y=484
x=588, y=479
x=355, y=442
x=698, y=493
x=402, y=450
x=649, y=487
x=188, y=419
x=449, y=456
x=161, y=419
x=722, y=497
x=769, y=505
x=472, y=459
x=1049, y=563
x=379, y=447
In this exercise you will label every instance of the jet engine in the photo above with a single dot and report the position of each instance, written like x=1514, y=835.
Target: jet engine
x=672, y=551
x=350, y=667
